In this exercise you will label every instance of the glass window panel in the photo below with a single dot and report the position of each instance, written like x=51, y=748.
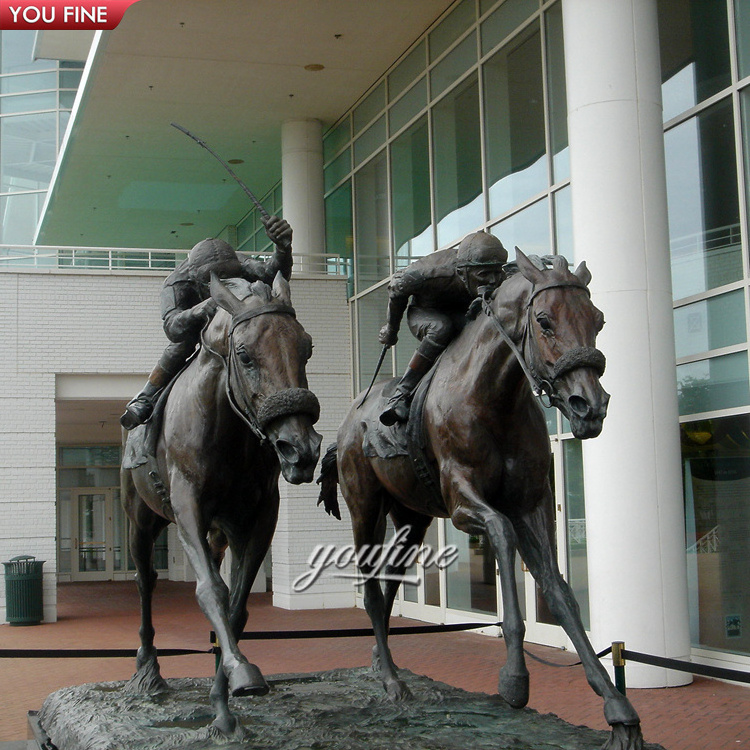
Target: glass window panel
x=406, y=71
x=370, y=107
x=455, y=24
x=453, y=66
x=717, y=383
x=336, y=139
x=30, y=82
x=103, y=455
x=28, y=151
x=694, y=44
x=339, y=233
x=28, y=103
x=564, y=225
x=710, y=324
x=408, y=106
x=67, y=99
x=64, y=531
x=716, y=461
x=92, y=544
x=19, y=215
x=371, y=310
x=742, y=10
x=338, y=169
x=17, y=53
x=556, y=92
x=278, y=202
x=471, y=580
x=575, y=511
x=528, y=229
x=70, y=79
x=410, y=168
x=371, y=222
x=458, y=172
x=64, y=119
x=370, y=141
x=432, y=573
x=504, y=20
x=514, y=113
x=703, y=202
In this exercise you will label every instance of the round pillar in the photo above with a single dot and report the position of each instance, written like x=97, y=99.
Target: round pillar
x=634, y=507
x=302, y=190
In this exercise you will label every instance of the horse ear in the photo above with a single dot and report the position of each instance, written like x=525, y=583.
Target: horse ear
x=583, y=273
x=223, y=296
x=527, y=268
x=281, y=289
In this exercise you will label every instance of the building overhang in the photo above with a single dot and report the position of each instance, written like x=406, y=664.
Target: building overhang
x=231, y=72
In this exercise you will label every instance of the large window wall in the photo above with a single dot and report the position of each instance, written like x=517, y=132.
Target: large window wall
x=467, y=131
x=705, y=57
x=36, y=97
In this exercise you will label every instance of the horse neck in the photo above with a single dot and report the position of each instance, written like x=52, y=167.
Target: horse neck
x=484, y=361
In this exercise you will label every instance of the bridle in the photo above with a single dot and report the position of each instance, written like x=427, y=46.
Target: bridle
x=283, y=403
x=581, y=356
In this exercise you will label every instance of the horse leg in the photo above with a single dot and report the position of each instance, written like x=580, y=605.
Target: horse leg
x=211, y=591
x=144, y=528
x=247, y=559
x=416, y=526
x=513, y=681
x=537, y=548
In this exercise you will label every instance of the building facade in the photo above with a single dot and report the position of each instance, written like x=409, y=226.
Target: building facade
x=612, y=132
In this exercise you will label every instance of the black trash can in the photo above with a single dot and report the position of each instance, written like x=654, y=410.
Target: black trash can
x=23, y=590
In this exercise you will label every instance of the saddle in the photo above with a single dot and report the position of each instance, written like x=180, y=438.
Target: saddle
x=409, y=439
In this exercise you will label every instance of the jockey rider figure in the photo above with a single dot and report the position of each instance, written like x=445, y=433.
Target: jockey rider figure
x=441, y=286
x=186, y=304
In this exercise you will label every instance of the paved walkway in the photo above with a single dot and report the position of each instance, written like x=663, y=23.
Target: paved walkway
x=707, y=715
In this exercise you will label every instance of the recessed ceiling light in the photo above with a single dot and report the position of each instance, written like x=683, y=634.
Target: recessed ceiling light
x=236, y=161
x=314, y=67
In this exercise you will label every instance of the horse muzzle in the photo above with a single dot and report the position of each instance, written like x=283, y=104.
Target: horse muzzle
x=287, y=417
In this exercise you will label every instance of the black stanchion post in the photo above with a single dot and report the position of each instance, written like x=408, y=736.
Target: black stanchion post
x=217, y=650
x=619, y=664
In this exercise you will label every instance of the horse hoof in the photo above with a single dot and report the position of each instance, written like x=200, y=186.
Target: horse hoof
x=147, y=679
x=246, y=679
x=397, y=690
x=513, y=689
x=225, y=725
x=625, y=737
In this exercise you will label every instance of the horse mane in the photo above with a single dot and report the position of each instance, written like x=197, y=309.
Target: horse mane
x=542, y=262
x=242, y=289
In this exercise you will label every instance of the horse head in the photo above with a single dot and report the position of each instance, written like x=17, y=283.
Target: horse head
x=559, y=330
x=266, y=350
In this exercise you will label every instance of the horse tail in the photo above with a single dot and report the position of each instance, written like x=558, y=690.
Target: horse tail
x=328, y=480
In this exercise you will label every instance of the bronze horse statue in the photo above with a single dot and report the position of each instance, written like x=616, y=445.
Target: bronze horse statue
x=485, y=437
x=238, y=415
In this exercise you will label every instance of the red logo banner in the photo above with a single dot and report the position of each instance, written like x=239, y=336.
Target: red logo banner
x=61, y=15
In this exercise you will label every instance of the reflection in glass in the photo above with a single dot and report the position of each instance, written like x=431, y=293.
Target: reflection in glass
x=458, y=170
x=412, y=235
x=528, y=229
x=710, y=384
x=575, y=512
x=471, y=580
x=371, y=222
x=450, y=28
x=694, y=45
x=716, y=460
x=370, y=318
x=514, y=115
x=558, y=102
x=710, y=324
x=703, y=201
x=28, y=151
x=339, y=232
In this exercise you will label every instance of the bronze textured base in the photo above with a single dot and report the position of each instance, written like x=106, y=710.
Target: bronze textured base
x=341, y=709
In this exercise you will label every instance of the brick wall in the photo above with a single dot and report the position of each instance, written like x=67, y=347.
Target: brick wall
x=101, y=323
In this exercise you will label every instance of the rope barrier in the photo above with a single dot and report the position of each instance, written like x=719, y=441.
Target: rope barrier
x=91, y=653
x=704, y=670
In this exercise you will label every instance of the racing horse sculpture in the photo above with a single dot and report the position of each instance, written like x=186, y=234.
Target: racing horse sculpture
x=485, y=436
x=238, y=415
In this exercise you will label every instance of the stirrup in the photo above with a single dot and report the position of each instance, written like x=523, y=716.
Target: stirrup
x=137, y=412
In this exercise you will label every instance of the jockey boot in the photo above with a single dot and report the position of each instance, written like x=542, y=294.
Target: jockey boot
x=141, y=407
x=399, y=403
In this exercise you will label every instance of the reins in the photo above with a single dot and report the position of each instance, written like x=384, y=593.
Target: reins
x=582, y=356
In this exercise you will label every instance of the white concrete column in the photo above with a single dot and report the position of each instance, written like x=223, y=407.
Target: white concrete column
x=634, y=507
x=302, y=189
